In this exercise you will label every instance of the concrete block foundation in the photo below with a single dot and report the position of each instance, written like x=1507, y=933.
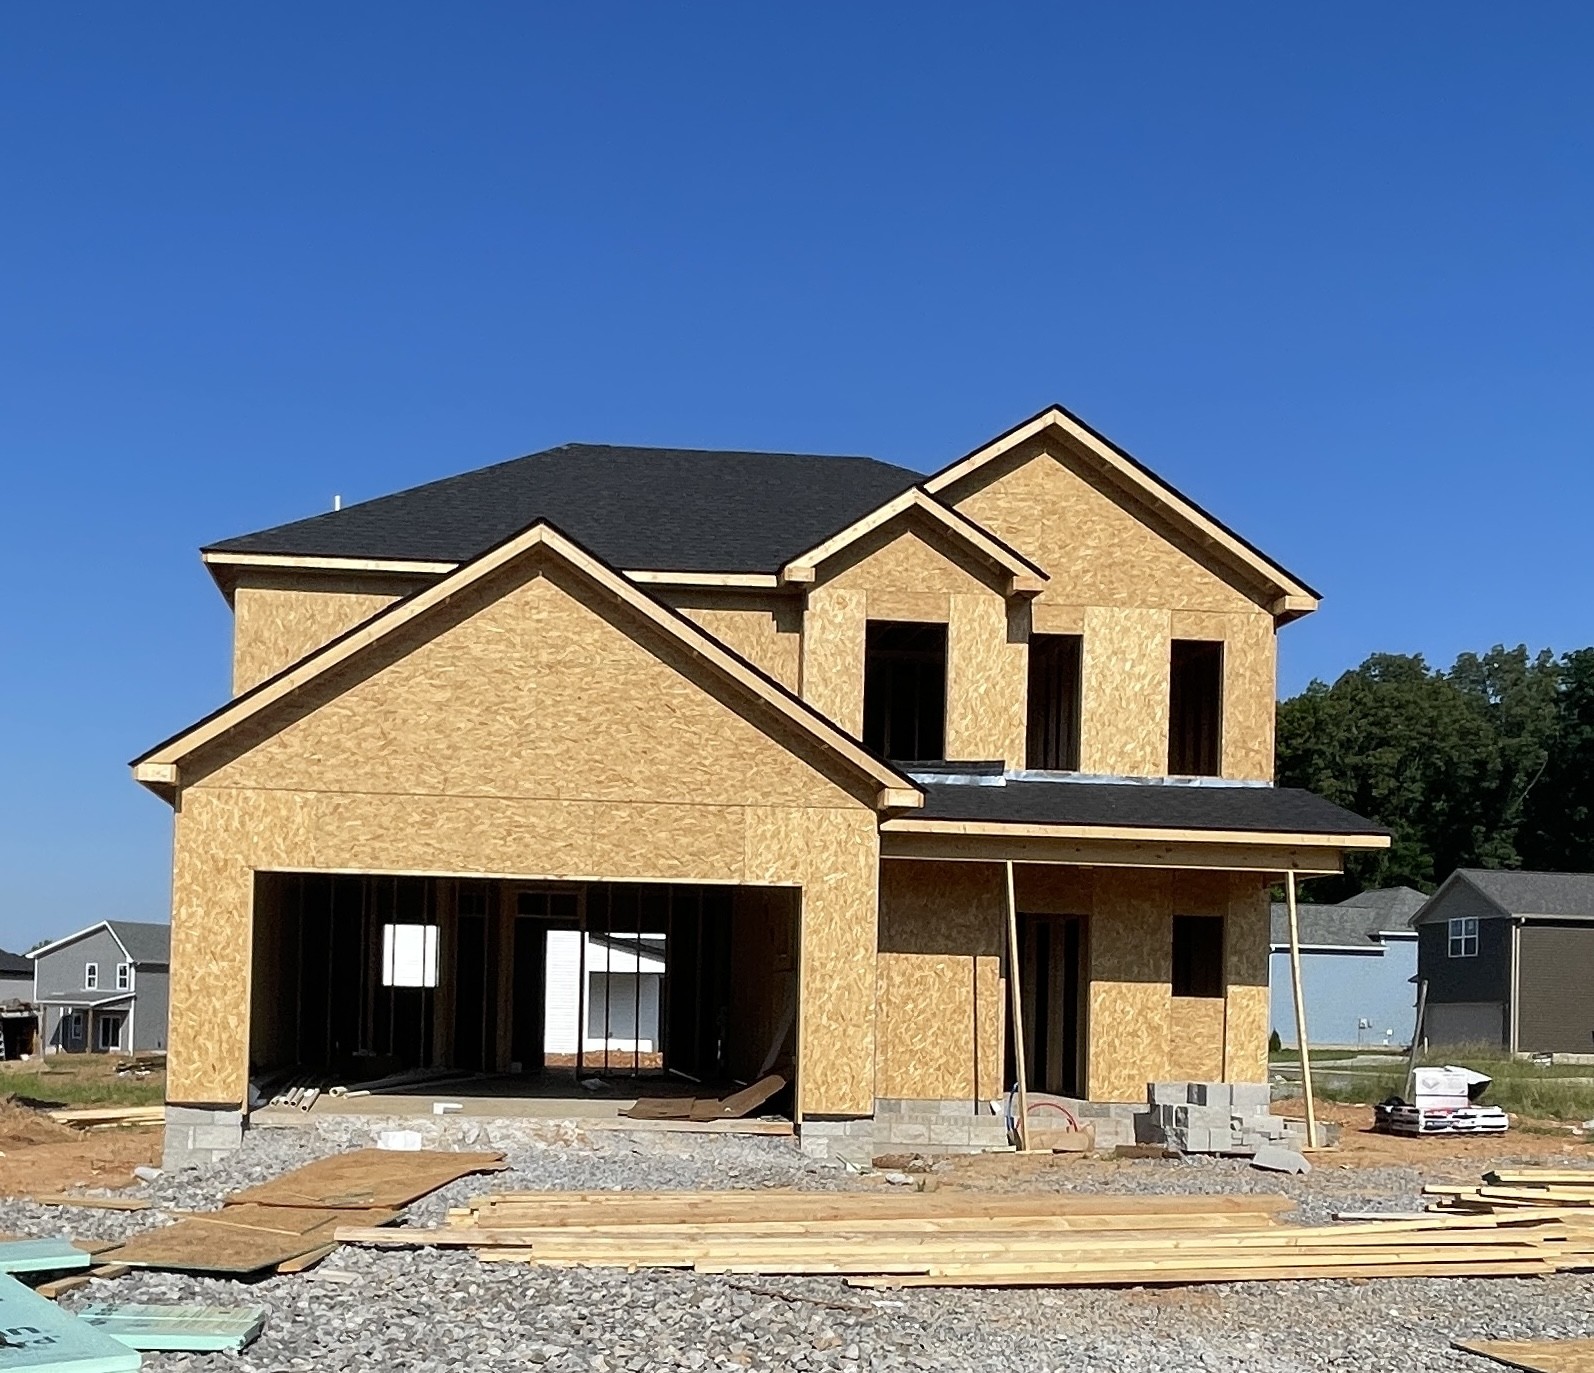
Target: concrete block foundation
x=199, y=1135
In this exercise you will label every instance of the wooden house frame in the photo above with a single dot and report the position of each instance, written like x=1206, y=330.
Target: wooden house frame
x=467, y=732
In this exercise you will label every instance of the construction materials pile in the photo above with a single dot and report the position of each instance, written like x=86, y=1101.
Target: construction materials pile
x=1523, y=1194
x=947, y=1239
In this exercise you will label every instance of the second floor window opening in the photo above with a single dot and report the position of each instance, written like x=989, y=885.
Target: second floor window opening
x=1052, y=739
x=1195, y=708
x=91, y=976
x=904, y=690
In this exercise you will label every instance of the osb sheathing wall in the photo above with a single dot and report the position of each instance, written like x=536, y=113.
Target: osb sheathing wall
x=532, y=736
x=280, y=616
x=939, y=1022
x=1137, y=1031
x=1129, y=590
x=900, y=574
x=766, y=629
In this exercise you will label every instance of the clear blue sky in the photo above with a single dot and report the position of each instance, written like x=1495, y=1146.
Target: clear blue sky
x=1328, y=269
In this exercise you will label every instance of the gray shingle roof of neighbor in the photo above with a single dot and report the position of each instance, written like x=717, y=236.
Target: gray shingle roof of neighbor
x=1352, y=923
x=1155, y=805
x=14, y=965
x=653, y=509
x=1535, y=893
x=144, y=942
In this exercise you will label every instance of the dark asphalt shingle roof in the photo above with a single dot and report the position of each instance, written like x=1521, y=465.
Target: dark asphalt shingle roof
x=14, y=965
x=1535, y=893
x=144, y=942
x=656, y=509
x=1352, y=923
x=1150, y=804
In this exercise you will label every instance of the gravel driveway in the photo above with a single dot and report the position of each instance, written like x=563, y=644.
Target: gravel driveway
x=420, y=1309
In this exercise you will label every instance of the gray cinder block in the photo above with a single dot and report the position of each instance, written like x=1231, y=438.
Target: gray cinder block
x=1275, y=1159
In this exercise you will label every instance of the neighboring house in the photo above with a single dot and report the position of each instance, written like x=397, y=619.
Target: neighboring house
x=1358, y=968
x=800, y=714
x=16, y=977
x=1509, y=960
x=104, y=989
x=19, y=1023
x=624, y=975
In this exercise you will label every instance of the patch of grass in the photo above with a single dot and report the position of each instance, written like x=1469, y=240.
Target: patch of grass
x=75, y=1084
x=1327, y=1055
x=1563, y=1091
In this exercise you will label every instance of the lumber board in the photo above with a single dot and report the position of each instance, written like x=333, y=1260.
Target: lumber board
x=365, y=1178
x=93, y=1203
x=492, y=1220
x=774, y=1202
x=1147, y=1277
x=1535, y=1356
x=1512, y=1177
x=304, y=1262
x=777, y=1128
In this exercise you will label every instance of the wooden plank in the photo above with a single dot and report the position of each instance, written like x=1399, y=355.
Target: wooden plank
x=779, y=1201
x=40, y=1336
x=1535, y=1356
x=202, y=1329
x=744, y=1102
x=110, y=1115
x=1133, y=1277
x=93, y=1203
x=364, y=1178
x=305, y=1262
x=660, y=1108
x=717, y=1126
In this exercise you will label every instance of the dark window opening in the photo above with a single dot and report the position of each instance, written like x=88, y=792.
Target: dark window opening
x=1198, y=955
x=1195, y=708
x=1052, y=741
x=904, y=690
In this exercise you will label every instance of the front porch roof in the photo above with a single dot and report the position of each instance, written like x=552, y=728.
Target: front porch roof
x=1156, y=822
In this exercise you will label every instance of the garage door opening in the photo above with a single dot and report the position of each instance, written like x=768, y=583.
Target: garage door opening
x=521, y=987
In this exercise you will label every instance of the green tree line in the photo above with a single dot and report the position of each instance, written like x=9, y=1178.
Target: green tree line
x=1487, y=764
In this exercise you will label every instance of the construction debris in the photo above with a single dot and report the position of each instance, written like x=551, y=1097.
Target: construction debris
x=288, y=1223
x=736, y=1106
x=1535, y=1356
x=200, y=1329
x=38, y=1335
x=1444, y=1101
x=97, y=1116
x=93, y=1203
x=946, y=1239
x=41, y=1256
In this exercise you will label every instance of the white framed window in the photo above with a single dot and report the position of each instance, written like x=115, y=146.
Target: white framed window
x=1464, y=937
x=91, y=976
x=409, y=955
x=109, y=1035
x=124, y=977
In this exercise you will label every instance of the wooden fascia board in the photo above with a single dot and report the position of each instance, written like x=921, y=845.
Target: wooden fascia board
x=1023, y=576
x=222, y=563
x=1086, y=853
x=1292, y=598
x=160, y=767
x=1133, y=834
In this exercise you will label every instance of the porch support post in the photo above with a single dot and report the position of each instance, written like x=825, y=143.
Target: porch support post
x=1017, y=996
x=1300, y=1012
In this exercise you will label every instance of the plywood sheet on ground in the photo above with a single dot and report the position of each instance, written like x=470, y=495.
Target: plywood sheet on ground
x=369, y=1177
x=224, y=1242
x=1536, y=1356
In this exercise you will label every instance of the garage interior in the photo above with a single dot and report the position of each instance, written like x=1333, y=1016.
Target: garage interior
x=523, y=988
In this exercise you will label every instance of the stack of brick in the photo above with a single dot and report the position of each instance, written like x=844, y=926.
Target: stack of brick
x=1215, y=1118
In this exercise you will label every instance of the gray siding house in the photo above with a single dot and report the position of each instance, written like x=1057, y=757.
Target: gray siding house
x=1358, y=969
x=1509, y=960
x=19, y=1025
x=104, y=989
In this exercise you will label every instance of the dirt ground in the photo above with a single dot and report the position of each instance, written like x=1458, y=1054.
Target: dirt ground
x=38, y=1157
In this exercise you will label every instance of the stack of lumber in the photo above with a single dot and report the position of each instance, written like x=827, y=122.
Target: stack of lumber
x=977, y=1239
x=99, y=1117
x=1562, y=1195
